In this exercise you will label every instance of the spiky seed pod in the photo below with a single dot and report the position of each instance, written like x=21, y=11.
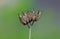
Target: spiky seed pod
x=29, y=16
x=37, y=16
x=22, y=20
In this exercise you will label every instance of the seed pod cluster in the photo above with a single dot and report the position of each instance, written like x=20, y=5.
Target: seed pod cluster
x=29, y=17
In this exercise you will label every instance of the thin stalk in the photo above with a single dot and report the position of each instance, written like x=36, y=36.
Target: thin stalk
x=30, y=32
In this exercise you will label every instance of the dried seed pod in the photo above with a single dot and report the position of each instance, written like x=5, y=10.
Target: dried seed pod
x=25, y=16
x=22, y=20
x=37, y=16
x=29, y=16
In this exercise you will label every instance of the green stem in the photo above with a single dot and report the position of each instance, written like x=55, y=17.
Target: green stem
x=30, y=32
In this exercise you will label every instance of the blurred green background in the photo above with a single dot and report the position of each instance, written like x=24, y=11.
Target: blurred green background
x=11, y=28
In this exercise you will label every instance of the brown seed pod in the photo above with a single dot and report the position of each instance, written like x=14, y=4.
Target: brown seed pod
x=37, y=16
x=22, y=20
x=29, y=17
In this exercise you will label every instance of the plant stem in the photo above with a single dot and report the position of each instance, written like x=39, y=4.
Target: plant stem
x=30, y=32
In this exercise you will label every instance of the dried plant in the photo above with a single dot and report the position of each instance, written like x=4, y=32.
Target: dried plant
x=29, y=18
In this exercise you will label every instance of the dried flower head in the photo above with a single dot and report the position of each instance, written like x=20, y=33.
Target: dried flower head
x=29, y=17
